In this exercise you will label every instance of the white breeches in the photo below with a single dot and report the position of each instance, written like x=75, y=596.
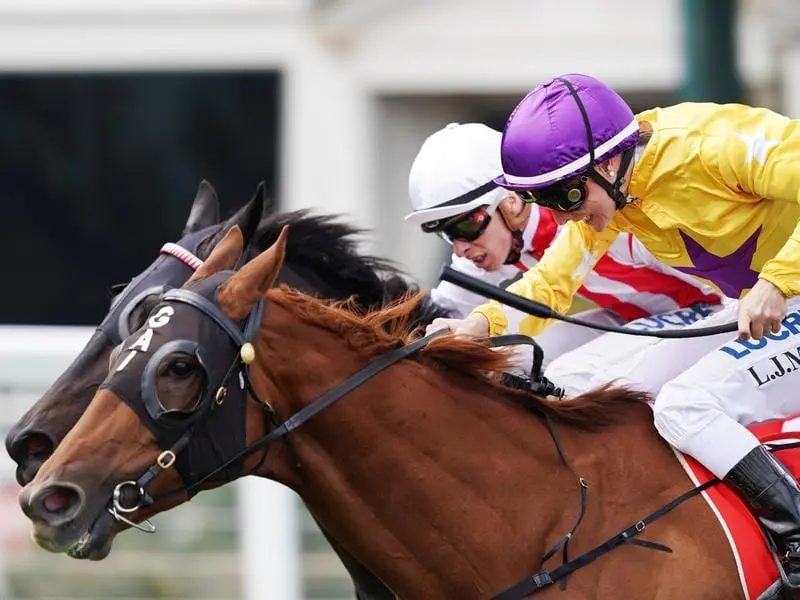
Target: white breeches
x=616, y=355
x=707, y=389
x=560, y=338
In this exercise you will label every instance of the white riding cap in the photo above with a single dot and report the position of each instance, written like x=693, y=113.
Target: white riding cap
x=453, y=173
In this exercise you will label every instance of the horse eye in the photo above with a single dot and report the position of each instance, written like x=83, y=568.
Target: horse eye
x=181, y=368
x=178, y=366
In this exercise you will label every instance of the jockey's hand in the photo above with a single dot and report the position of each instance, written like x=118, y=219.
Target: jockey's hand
x=761, y=311
x=475, y=325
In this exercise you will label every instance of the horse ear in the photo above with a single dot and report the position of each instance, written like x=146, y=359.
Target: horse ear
x=253, y=280
x=205, y=209
x=269, y=201
x=252, y=217
x=224, y=256
x=246, y=218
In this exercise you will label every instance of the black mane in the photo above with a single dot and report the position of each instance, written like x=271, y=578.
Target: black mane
x=323, y=251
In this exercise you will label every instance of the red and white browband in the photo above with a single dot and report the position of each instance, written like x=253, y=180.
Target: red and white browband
x=182, y=254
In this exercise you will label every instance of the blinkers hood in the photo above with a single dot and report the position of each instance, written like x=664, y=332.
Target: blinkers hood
x=189, y=321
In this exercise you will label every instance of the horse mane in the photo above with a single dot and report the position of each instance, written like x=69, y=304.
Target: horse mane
x=378, y=331
x=325, y=250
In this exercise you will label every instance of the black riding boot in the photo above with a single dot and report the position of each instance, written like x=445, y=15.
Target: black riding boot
x=774, y=495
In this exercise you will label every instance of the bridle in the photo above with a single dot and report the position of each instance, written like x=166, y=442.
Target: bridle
x=179, y=433
x=222, y=353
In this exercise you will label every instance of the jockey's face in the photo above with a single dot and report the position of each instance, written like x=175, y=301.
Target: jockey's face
x=598, y=209
x=490, y=250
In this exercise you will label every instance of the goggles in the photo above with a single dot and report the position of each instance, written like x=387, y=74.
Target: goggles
x=566, y=196
x=467, y=227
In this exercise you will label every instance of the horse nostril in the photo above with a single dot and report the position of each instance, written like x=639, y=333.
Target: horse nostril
x=39, y=444
x=32, y=445
x=57, y=503
x=29, y=450
x=59, y=499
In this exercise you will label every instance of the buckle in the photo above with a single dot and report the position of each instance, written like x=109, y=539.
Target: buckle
x=166, y=459
x=541, y=579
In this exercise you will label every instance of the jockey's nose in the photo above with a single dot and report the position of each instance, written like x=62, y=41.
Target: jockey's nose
x=460, y=247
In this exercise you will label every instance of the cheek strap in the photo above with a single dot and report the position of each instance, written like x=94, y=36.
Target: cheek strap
x=614, y=190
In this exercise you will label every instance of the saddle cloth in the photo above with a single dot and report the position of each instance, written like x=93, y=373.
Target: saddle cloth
x=756, y=567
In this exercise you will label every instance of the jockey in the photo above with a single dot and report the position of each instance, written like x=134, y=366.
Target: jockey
x=453, y=195
x=712, y=190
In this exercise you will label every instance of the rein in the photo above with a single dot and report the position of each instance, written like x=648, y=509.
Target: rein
x=537, y=309
x=313, y=409
x=359, y=377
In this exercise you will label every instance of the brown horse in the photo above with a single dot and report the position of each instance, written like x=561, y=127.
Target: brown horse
x=445, y=483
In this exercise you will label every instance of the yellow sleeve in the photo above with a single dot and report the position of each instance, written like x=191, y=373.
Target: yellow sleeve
x=761, y=156
x=555, y=279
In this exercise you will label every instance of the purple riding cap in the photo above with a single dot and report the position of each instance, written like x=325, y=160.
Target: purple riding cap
x=546, y=137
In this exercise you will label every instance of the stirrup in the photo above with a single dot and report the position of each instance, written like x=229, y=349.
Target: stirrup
x=781, y=588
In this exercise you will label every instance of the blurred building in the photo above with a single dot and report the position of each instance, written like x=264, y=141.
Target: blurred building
x=354, y=85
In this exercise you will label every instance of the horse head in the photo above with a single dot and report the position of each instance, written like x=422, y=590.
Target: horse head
x=70, y=509
x=35, y=436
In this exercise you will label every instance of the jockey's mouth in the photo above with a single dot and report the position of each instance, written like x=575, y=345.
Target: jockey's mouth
x=478, y=259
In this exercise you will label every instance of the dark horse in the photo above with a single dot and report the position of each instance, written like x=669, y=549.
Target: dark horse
x=442, y=481
x=322, y=260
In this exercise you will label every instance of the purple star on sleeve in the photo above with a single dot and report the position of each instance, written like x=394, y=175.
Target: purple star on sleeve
x=732, y=273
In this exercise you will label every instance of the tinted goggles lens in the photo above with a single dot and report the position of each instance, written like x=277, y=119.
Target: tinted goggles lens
x=565, y=196
x=468, y=227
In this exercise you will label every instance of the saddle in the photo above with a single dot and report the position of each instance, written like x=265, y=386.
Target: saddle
x=758, y=570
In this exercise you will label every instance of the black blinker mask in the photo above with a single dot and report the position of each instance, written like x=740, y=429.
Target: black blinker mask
x=180, y=323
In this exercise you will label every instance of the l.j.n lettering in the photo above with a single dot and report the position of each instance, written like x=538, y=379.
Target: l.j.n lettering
x=775, y=367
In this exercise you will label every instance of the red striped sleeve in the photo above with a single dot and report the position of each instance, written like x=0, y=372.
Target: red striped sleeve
x=626, y=310
x=645, y=279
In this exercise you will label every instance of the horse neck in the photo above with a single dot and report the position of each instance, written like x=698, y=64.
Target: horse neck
x=423, y=478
